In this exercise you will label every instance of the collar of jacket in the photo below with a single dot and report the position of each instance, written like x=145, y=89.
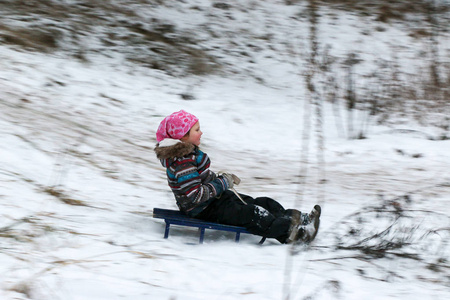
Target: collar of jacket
x=171, y=148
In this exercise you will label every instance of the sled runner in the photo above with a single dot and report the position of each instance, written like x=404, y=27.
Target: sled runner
x=174, y=217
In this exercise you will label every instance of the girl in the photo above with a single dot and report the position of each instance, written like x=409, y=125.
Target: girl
x=202, y=194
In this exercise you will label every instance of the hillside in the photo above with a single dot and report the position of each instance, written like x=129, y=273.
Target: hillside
x=84, y=85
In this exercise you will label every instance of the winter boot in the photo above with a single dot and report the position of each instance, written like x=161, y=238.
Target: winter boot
x=309, y=218
x=307, y=233
x=304, y=227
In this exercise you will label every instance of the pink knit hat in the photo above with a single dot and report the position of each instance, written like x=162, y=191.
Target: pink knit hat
x=175, y=126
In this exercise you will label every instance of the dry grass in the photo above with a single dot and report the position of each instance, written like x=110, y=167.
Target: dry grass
x=63, y=197
x=389, y=92
x=386, y=10
x=30, y=38
x=24, y=288
x=48, y=25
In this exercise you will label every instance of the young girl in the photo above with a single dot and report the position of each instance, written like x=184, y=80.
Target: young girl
x=202, y=194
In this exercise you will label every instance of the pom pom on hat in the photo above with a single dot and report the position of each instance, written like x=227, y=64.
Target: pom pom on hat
x=175, y=126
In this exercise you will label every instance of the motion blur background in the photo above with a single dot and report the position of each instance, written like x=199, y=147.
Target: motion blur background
x=344, y=103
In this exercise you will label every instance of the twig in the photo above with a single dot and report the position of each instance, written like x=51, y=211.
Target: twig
x=23, y=220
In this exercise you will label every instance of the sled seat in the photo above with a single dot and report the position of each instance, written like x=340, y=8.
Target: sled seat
x=175, y=217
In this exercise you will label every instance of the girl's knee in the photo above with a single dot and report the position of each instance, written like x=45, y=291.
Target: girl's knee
x=270, y=204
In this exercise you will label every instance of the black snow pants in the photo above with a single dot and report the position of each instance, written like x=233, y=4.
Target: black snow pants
x=261, y=216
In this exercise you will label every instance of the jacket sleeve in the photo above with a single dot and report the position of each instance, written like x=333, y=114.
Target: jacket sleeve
x=194, y=184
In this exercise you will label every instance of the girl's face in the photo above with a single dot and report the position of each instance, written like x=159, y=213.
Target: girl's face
x=194, y=135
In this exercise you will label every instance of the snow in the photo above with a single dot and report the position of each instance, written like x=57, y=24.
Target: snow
x=88, y=130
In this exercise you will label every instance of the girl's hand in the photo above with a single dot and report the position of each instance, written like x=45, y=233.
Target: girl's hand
x=231, y=179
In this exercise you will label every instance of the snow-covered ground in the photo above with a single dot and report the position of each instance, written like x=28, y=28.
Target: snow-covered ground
x=79, y=179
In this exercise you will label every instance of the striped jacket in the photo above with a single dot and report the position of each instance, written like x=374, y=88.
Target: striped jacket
x=192, y=182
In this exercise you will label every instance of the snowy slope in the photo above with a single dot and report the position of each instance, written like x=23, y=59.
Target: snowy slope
x=79, y=179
